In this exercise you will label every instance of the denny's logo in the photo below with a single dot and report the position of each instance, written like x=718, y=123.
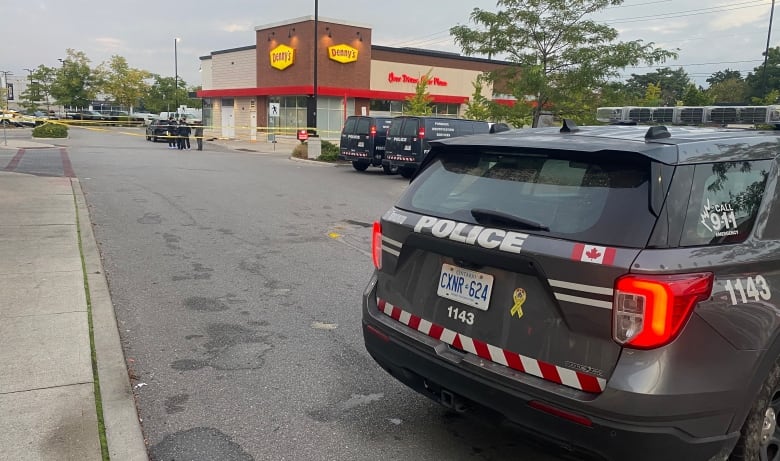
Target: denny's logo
x=342, y=53
x=282, y=57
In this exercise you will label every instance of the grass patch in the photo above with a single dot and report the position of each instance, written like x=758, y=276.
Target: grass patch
x=95, y=378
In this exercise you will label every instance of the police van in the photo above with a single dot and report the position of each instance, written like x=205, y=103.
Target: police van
x=409, y=136
x=363, y=142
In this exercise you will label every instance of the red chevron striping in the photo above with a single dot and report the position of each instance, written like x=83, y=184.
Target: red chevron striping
x=549, y=372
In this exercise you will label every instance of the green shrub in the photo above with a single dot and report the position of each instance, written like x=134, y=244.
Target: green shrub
x=329, y=152
x=50, y=130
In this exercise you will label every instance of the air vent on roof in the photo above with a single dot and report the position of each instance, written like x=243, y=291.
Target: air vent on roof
x=657, y=132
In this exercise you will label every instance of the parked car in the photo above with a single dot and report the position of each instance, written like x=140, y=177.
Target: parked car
x=408, y=140
x=157, y=129
x=144, y=117
x=10, y=118
x=91, y=115
x=612, y=290
x=363, y=142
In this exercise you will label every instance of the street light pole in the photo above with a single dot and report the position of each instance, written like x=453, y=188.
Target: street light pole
x=312, y=122
x=176, y=72
x=5, y=121
x=62, y=75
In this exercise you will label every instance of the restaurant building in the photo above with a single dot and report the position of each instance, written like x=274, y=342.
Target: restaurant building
x=268, y=87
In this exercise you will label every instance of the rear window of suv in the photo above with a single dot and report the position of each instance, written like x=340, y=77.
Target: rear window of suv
x=600, y=198
x=724, y=202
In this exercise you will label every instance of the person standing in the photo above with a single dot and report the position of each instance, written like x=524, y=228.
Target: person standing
x=172, y=132
x=184, y=134
x=199, y=133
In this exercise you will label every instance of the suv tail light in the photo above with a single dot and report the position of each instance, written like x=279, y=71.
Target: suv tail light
x=373, y=130
x=376, y=245
x=649, y=311
x=421, y=132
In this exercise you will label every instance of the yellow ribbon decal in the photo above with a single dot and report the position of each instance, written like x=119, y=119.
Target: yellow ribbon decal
x=519, y=297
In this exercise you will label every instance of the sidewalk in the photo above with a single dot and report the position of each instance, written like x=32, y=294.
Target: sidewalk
x=47, y=385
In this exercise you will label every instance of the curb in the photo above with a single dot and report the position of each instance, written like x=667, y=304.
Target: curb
x=123, y=428
x=313, y=162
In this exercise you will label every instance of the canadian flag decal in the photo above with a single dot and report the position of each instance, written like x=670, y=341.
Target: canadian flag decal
x=593, y=254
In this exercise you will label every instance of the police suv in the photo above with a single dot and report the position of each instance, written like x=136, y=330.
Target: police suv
x=608, y=289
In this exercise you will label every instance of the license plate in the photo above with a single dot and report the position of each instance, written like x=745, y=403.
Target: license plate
x=360, y=144
x=465, y=286
x=407, y=147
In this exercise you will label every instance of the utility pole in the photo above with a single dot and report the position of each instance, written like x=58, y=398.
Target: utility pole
x=766, y=51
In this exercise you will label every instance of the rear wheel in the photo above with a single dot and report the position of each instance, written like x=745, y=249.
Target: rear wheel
x=389, y=169
x=760, y=435
x=406, y=172
x=360, y=166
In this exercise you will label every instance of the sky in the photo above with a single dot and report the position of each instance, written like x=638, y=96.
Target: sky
x=710, y=35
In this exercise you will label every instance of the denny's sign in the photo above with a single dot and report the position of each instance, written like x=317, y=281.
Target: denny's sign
x=342, y=53
x=282, y=57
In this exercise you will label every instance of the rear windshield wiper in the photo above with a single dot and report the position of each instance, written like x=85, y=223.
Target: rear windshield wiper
x=484, y=216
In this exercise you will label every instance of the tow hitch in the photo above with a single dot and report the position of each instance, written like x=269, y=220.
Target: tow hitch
x=452, y=401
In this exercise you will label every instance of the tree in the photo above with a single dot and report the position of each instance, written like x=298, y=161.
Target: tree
x=652, y=96
x=39, y=89
x=696, y=96
x=420, y=103
x=478, y=107
x=771, y=98
x=724, y=75
x=673, y=84
x=559, y=56
x=756, y=79
x=730, y=91
x=122, y=83
x=75, y=82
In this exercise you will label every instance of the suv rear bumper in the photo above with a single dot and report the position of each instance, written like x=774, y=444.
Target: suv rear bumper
x=452, y=386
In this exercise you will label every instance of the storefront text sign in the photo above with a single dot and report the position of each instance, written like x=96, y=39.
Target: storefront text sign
x=342, y=53
x=392, y=77
x=282, y=57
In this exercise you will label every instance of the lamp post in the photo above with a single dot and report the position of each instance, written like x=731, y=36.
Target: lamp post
x=5, y=86
x=176, y=73
x=312, y=122
x=62, y=74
